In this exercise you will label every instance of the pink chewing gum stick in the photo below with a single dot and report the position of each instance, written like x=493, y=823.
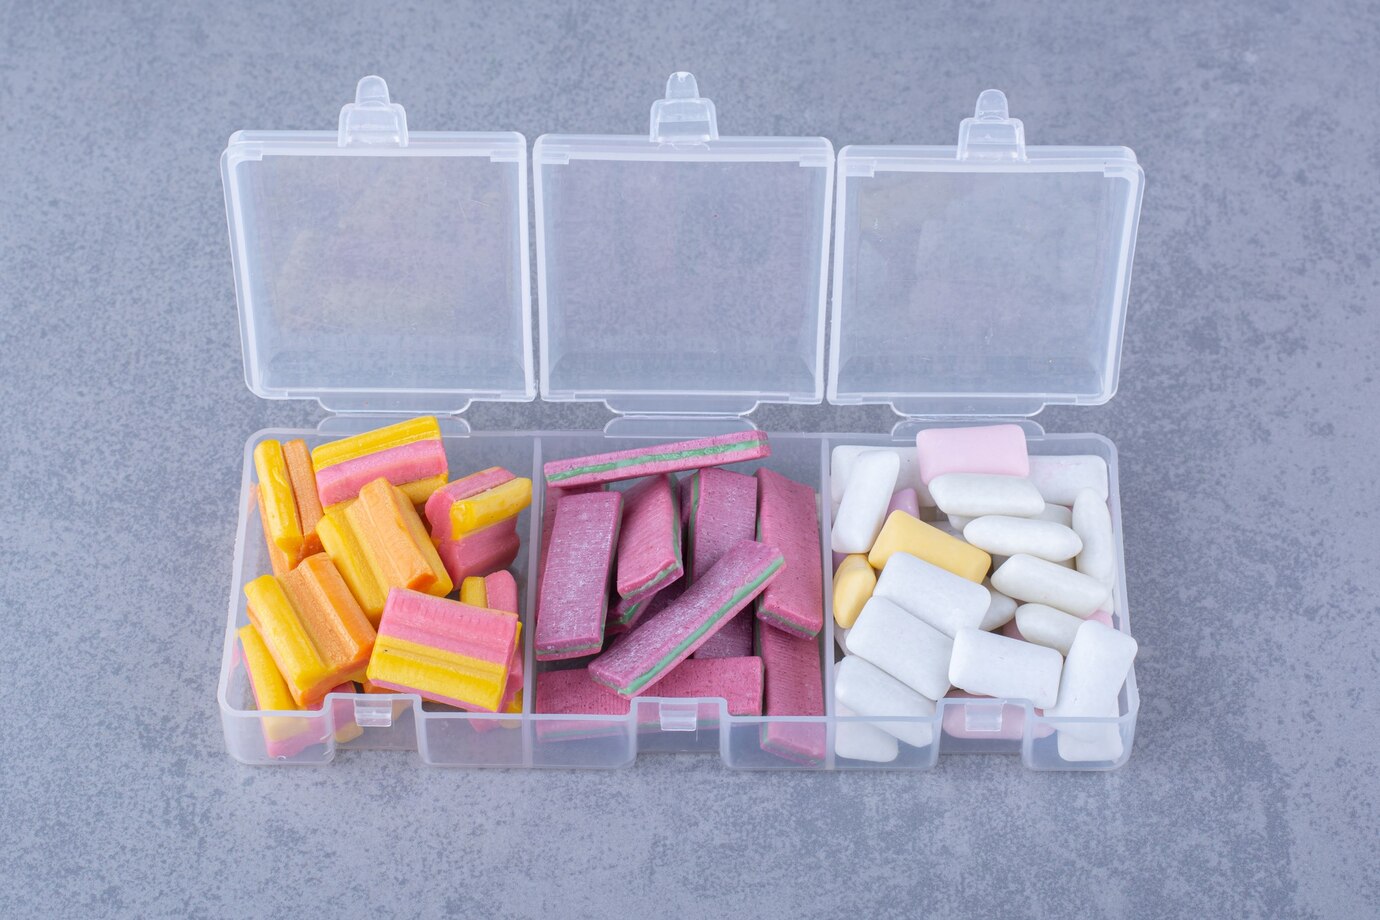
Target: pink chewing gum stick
x=649, y=556
x=399, y=465
x=658, y=643
x=737, y=681
x=574, y=585
x=660, y=458
x=479, y=553
x=794, y=687
x=997, y=449
x=548, y=521
x=788, y=518
x=723, y=511
x=438, y=505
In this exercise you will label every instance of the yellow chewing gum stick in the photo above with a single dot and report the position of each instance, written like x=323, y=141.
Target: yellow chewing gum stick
x=903, y=533
x=445, y=675
x=489, y=507
x=419, y=490
x=361, y=445
x=853, y=585
x=395, y=541
x=303, y=478
x=308, y=677
x=277, y=559
x=473, y=592
x=342, y=545
x=280, y=507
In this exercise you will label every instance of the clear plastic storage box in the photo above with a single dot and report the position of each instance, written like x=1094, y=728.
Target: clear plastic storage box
x=682, y=280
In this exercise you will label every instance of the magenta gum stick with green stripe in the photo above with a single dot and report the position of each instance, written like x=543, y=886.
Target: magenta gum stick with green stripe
x=574, y=585
x=649, y=555
x=648, y=652
x=660, y=458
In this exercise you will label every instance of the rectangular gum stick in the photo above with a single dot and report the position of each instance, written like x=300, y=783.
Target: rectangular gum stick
x=406, y=432
x=649, y=552
x=304, y=493
x=723, y=511
x=788, y=517
x=661, y=458
x=794, y=687
x=574, y=585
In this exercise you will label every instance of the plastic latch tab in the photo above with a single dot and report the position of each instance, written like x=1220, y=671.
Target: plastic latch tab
x=374, y=713
x=991, y=134
x=982, y=717
x=372, y=120
x=684, y=115
x=679, y=717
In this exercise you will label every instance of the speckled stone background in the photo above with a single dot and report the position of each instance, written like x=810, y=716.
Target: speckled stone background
x=1246, y=423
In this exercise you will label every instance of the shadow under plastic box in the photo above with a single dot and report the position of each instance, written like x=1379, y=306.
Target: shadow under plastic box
x=446, y=737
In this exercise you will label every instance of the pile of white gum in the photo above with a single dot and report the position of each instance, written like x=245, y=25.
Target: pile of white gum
x=965, y=563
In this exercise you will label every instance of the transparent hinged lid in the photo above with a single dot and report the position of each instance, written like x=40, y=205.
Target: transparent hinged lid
x=379, y=268
x=988, y=278
x=681, y=271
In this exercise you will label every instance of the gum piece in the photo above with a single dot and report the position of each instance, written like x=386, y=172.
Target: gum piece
x=854, y=583
x=649, y=550
x=907, y=500
x=548, y=521
x=313, y=627
x=794, y=687
x=404, y=463
x=1009, y=725
x=645, y=654
x=1038, y=581
x=489, y=507
x=867, y=690
x=444, y=650
x=438, y=504
x=908, y=473
x=907, y=648
x=419, y=491
x=1046, y=626
x=304, y=493
x=266, y=684
x=863, y=740
x=906, y=534
x=277, y=559
x=977, y=494
x=411, y=431
x=660, y=458
x=998, y=449
x=341, y=543
x=473, y=592
x=723, y=512
x=500, y=589
x=1092, y=522
x=395, y=541
x=865, y=501
x=275, y=491
x=1097, y=665
x=934, y=595
x=574, y=586
x=1057, y=514
x=1060, y=479
x=788, y=518
x=482, y=552
x=991, y=665
x=1009, y=536
x=733, y=640
x=1000, y=609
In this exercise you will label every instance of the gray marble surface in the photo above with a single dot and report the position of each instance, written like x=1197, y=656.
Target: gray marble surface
x=1245, y=420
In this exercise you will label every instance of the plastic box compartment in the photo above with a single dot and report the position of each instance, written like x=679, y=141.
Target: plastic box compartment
x=278, y=339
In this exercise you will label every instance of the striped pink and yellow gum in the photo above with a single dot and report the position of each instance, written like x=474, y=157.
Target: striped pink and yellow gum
x=997, y=449
x=444, y=650
x=723, y=511
x=788, y=518
x=573, y=601
x=364, y=457
x=439, y=504
x=649, y=551
x=737, y=681
x=647, y=653
x=794, y=687
x=636, y=462
x=489, y=507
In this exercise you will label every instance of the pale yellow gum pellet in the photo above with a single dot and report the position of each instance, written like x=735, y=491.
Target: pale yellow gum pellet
x=473, y=592
x=853, y=584
x=903, y=533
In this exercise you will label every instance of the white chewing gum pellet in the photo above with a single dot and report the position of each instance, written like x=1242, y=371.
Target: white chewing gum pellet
x=990, y=665
x=841, y=637
x=1095, y=670
x=958, y=521
x=863, y=509
x=1060, y=479
x=867, y=690
x=1039, y=581
x=999, y=611
x=907, y=476
x=910, y=650
x=977, y=494
x=1058, y=514
x=862, y=740
x=1007, y=536
x=1046, y=626
x=1092, y=521
x=937, y=596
